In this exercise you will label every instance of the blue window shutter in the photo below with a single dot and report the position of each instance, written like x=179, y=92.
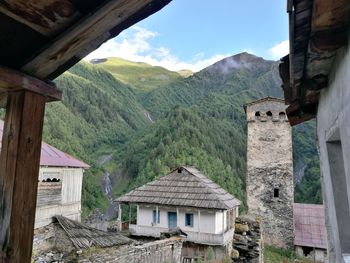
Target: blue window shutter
x=158, y=216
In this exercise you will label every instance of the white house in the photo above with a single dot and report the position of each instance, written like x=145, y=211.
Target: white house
x=59, y=186
x=188, y=200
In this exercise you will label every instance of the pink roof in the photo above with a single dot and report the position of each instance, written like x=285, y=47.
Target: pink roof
x=51, y=156
x=309, y=226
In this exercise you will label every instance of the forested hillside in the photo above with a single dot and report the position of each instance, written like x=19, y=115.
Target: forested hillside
x=148, y=130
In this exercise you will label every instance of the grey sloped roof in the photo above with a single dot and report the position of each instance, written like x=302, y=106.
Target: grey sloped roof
x=185, y=186
x=83, y=236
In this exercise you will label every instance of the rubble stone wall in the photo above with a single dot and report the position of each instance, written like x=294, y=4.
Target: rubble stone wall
x=51, y=244
x=270, y=188
x=248, y=243
x=161, y=251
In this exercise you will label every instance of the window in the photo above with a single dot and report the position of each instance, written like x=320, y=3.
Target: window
x=189, y=219
x=276, y=192
x=257, y=114
x=282, y=115
x=156, y=220
x=269, y=113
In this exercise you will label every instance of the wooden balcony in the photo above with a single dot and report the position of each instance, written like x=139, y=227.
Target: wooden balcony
x=196, y=237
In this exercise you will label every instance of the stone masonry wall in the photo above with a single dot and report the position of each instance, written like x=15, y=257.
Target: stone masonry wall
x=248, y=243
x=162, y=251
x=52, y=245
x=270, y=190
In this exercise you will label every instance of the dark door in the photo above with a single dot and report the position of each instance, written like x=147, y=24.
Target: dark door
x=172, y=220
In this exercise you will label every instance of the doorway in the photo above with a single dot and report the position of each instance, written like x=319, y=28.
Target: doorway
x=172, y=220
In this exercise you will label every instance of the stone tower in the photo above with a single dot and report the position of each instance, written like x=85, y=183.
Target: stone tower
x=270, y=189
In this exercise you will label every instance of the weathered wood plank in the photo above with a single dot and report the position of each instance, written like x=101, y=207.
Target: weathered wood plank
x=11, y=80
x=49, y=194
x=96, y=26
x=330, y=14
x=19, y=169
x=46, y=17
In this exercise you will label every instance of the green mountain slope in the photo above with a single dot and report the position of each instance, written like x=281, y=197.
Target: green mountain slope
x=201, y=122
x=140, y=75
x=97, y=115
x=149, y=127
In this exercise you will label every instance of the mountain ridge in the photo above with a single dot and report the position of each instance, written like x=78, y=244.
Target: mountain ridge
x=197, y=120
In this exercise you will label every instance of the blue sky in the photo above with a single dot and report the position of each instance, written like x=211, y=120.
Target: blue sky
x=193, y=34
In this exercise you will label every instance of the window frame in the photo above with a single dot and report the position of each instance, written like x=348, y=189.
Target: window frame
x=191, y=218
x=154, y=217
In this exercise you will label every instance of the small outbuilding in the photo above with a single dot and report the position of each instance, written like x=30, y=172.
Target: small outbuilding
x=310, y=231
x=59, y=186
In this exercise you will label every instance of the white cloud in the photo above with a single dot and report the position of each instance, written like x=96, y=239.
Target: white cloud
x=137, y=47
x=280, y=50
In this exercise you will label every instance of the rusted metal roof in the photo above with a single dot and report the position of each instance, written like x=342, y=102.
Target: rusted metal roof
x=43, y=38
x=185, y=186
x=51, y=156
x=309, y=226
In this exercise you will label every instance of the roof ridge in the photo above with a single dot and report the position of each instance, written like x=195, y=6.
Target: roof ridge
x=201, y=179
x=178, y=187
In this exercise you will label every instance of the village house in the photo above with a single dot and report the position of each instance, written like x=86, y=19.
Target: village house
x=188, y=200
x=59, y=186
x=316, y=76
x=310, y=236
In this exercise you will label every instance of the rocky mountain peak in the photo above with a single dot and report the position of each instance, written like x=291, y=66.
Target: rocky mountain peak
x=238, y=61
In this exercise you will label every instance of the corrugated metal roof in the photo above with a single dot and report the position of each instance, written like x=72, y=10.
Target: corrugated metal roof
x=309, y=226
x=51, y=156
x=185, y=186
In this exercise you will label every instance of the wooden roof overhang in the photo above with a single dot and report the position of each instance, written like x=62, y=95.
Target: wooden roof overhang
x=43, y=38
x=317, y=29
x=39, y=40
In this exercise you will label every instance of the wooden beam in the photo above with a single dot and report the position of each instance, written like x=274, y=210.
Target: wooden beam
x=92, y=31
x=11, y=80
x=46, y=17
x=330, y=14
x=19, y=170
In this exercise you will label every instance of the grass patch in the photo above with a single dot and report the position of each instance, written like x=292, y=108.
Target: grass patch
x=278, y=255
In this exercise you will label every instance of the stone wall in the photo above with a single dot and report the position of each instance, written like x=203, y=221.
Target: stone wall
x=270, y=187
x=161, y=251
x=51, y=244
x=248, y=245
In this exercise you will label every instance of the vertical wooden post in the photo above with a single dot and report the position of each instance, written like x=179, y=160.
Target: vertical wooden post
x=20, y=159
x=199, y=221
x=177, y=215
x=19, y=170
x=120, y=225
x=223, y=222
x=157, y=219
